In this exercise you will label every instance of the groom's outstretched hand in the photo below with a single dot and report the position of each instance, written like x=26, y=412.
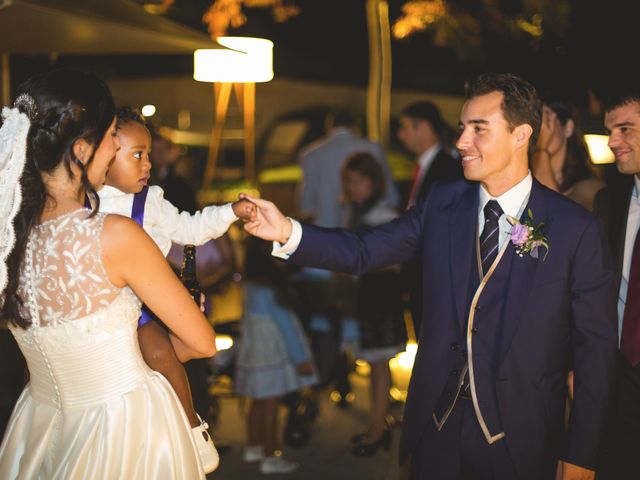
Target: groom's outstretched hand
x=270, y=223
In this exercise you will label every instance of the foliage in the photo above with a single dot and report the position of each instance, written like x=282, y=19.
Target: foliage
x=225, y=14
x=468, y=27
x=471, y=28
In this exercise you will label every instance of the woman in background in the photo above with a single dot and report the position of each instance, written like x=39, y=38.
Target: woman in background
x=379, y=299
x=561, y=158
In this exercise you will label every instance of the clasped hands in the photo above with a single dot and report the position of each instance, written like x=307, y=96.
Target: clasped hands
x=262, y=218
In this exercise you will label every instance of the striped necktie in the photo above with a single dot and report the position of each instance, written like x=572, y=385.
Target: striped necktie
x=490, y=235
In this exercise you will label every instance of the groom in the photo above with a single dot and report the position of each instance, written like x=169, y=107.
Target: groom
x=506, y=316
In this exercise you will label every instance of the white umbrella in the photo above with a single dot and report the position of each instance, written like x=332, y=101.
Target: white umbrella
x=92, y=27
x=89, y=27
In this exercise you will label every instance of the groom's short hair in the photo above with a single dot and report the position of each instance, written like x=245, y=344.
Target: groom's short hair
x=520, y=104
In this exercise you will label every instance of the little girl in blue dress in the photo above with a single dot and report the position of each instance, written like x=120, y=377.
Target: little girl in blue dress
x=273, y=356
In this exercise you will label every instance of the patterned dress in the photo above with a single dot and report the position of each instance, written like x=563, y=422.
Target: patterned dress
x=92, y=408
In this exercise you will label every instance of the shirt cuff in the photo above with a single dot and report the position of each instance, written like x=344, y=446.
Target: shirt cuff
x=226, y=213
x=286, y=250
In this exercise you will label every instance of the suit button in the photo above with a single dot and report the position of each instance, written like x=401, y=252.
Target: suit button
x=455, y=347
x=477, y=308
x=474, y=330
x=450, y=394
x=455, y=373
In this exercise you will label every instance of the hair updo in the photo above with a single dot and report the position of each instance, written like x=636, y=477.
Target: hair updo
x=63, y=106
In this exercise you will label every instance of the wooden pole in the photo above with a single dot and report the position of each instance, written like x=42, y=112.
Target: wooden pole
x=379, y=87
x=6, y=79
x=249, y=107
x=222, y=93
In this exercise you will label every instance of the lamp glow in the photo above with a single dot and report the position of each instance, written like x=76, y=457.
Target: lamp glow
x=251, y=60
x=148, y=110
x=223, y=342
x=599, y=149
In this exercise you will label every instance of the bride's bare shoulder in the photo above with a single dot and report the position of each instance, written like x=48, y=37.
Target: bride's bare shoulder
x=120, y=232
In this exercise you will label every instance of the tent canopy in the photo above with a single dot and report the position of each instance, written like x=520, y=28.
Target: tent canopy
x=92, y=27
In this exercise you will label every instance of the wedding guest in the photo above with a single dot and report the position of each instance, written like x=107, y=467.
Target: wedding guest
x=379, y=299
x=321, y=204
x=619, y=209
x=126, y=193
x=425, y=134
x=509, y=308
x=273, y=357
x=561, y=158
x=92, y=408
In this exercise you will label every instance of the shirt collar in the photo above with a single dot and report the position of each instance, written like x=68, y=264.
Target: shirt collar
x=107, y=191
x=428, y=155
x=512, y=200
x=636, y=188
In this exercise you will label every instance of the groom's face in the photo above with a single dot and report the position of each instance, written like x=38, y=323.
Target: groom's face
x=487, y=143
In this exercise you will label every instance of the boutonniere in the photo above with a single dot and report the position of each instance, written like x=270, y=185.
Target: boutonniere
x=527, y=237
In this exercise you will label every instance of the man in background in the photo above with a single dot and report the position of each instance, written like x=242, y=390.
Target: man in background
x=425, y=134
x=618, y=206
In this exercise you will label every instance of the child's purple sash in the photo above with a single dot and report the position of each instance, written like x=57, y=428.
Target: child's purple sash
x=137, y=214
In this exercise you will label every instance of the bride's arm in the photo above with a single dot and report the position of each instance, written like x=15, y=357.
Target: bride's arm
x=131, y=258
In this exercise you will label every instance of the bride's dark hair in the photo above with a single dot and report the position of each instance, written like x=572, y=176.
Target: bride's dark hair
x=63, y=106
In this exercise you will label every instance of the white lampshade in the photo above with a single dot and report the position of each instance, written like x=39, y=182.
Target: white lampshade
x=599, y=150
x=251, y=60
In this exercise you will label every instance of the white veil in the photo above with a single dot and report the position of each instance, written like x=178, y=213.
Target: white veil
x=13, y=149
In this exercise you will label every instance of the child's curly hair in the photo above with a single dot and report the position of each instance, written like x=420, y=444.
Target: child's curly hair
x=127, y=114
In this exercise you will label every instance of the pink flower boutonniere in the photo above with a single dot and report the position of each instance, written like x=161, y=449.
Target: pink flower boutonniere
x=527, y=237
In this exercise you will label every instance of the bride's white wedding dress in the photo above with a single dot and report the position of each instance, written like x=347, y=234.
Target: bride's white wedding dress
x=92, y=408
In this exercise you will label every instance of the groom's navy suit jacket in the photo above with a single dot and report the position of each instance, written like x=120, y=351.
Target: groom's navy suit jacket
x=532, y=320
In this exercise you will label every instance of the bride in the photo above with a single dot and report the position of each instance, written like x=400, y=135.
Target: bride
x=71, y=282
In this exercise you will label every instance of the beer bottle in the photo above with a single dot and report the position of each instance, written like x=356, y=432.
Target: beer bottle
x=188, y=273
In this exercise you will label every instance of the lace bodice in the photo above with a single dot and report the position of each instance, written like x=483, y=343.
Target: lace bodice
x=62, y=276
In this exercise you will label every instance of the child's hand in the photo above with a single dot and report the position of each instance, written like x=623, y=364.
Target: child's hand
x=245, y=210
x=305, y=368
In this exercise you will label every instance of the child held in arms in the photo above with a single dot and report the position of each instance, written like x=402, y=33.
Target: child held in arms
x=126, y=193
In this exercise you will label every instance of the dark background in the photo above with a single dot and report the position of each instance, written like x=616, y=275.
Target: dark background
x=594, y=52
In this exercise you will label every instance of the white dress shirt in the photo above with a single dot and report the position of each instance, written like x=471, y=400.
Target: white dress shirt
x=165, y=223
x=512, y=202
x=633, y=225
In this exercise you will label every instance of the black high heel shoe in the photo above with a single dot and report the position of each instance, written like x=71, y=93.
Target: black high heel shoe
x=358, y=438
x=369, y=449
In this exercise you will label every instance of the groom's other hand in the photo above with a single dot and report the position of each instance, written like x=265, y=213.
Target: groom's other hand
x=568, y=471
x=270, y=223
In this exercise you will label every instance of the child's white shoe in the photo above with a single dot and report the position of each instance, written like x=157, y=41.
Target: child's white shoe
x=277, y=464
x=252, y=454
x=206, y=449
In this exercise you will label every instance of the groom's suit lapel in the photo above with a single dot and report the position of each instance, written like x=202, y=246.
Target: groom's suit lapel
x=463, y=225
x=522, y=271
